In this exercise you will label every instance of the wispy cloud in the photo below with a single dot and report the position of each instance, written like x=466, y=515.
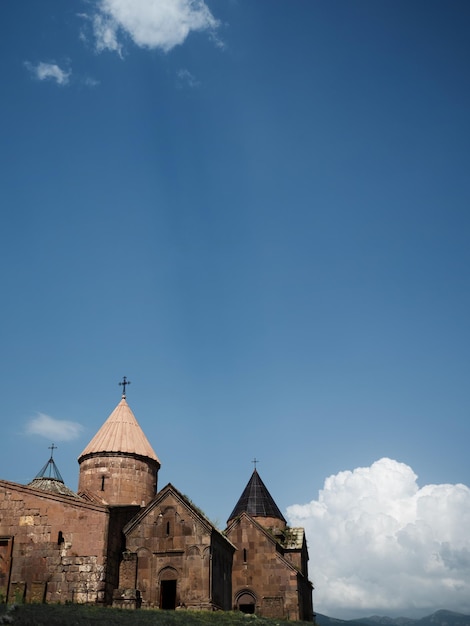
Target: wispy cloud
x=379, y=543
x=53, y=429
x=105, y=29
x=153, y=24
x=49, y=71
x=89, y=81
x=186, y=79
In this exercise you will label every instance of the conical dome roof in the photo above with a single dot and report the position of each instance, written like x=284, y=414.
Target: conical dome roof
x=120, y=433
x=256, y=501
x=49, y=479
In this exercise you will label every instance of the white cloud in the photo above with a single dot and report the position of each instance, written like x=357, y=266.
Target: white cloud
x=380, y=544
x=49, y=71
x=161, y=24
x=53, y=429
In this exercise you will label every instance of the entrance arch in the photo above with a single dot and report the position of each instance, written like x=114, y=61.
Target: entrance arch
x=168, y=580
x=246, y=602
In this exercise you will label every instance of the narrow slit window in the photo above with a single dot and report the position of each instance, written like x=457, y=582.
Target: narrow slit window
x=60, y=538
x=244, y=555
x=168, y=528
x=102, y=483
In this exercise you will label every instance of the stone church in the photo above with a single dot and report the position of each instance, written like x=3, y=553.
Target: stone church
x=119, y=541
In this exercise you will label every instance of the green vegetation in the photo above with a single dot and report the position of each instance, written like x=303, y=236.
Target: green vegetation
x=81, y=615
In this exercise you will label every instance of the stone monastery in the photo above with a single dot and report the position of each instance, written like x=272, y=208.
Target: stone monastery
x=120, y=542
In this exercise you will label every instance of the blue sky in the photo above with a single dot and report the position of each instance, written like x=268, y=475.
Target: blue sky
x=259, y=213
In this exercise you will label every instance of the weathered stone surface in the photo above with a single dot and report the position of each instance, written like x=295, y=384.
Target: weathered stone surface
x=263, y=577
x=127, y=598
x=36, y=592
x=37, y=555
x=17, y=591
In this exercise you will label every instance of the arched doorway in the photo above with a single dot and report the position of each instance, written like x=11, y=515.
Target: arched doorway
x=168, y=579
x=246, y=602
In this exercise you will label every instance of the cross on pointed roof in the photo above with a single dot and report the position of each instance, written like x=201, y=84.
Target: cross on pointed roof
x=49, y=478
x=50, y=469
x=123, y=384
x=256, y=501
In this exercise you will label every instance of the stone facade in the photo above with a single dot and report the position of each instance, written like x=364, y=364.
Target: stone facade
x=175, y=556
x=269, y=573
x=56, y=547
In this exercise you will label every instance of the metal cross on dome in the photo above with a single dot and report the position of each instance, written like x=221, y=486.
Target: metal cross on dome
x=123, y=384
x=255, y=461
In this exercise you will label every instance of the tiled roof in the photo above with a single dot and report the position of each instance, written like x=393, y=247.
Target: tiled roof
x=49, y=479
x=256, y=501
x=52, y=485
x=120, y=433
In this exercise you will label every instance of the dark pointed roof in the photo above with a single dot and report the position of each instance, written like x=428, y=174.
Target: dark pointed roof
x=256, y=500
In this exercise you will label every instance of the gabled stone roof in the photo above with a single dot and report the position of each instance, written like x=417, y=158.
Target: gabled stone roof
x=256, y=501
x=266, y=532
x=120, y=433
x=168, y=491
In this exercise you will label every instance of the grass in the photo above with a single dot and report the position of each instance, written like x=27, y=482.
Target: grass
x=81, y=615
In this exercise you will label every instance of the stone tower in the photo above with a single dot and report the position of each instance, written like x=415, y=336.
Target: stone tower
x=119, y=466
x=269, y=572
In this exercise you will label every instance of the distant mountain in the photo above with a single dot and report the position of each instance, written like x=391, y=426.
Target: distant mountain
x=439, y=618
x=375, y=620
x=324, y=620
x=445, y=618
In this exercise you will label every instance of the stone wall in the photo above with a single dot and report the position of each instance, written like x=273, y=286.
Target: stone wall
x=261, y=572
x=119, y=516
x=118, y=479
x=58, y=546
x=222, y=560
